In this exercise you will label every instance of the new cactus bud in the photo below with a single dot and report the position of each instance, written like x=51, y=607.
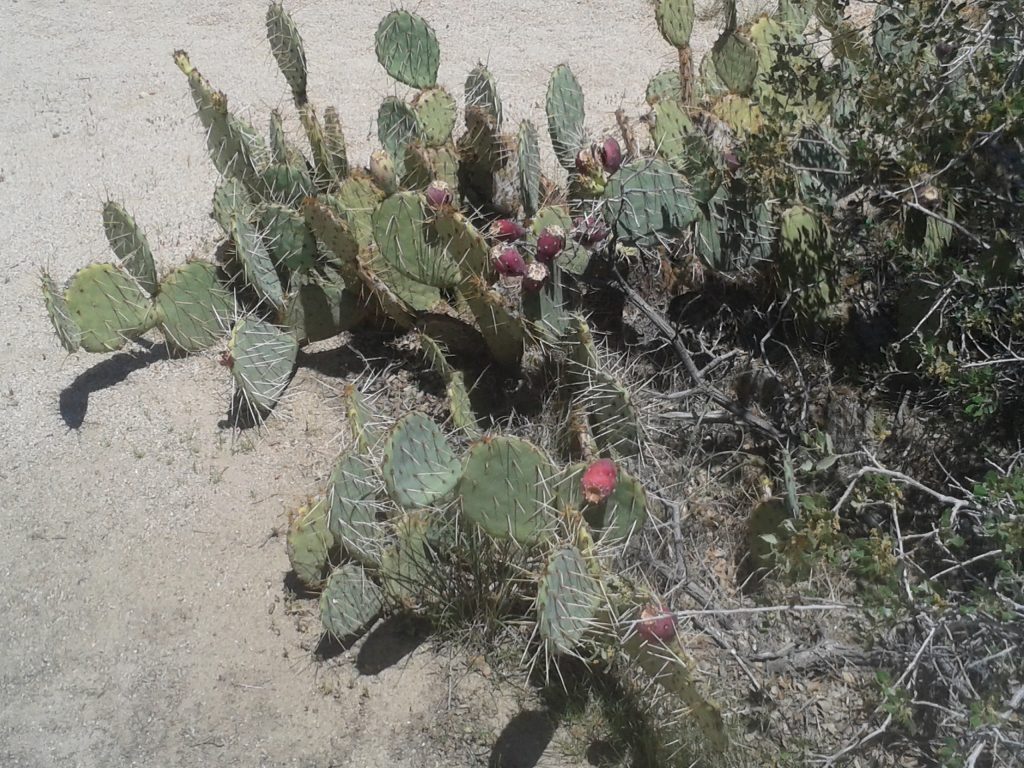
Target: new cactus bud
x=598, y=481
x=507, y=230
x=550, y=243
x=590, y=230
x=536, y=274
x=382, y=170
x=439, y=195
x=507, y=261
x=656, y=624
x=611, y=155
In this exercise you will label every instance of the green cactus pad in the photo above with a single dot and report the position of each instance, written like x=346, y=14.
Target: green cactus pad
x=321, y=309
x=424, y=165
x=285, y=185
x=675, y=21
x=464, y=244
x=739, y=113
x=735, y=61
x=334, y=140
x=460, y=405
x=362, y=420
x=613, y=416
x=193, y=309
x=547, y=310
x=286, y=45
x=287, y=237
x=436, y=357
x=108, y=306
x=707, y=238
x=795, y=14
x=621, y=515
x=257, y=265
x=574, y=258
x=580, y=351
x=419, y=466
x=400, y=231
x=323, y=163
x=407, y=48
x=709, y=85
x=565, y=111
x=262, y=358
x=502, y=331
x=282, y=152
x=436, y=112
x=400, y=295
x=337, y=235
x=506, y=489
x=235, y=147
x=408, y=567
x=481, y=91
x=350, y=601
x=309, y=542
x=230, y=203
x=352, y=502
x=664, y=86
x=647, y=197
x=686, y=149
x=356, y=200
x=806, y=271
x=568, y=597
x=528, y=147
x=64, y=325
x=397, y=126
x=129, y=244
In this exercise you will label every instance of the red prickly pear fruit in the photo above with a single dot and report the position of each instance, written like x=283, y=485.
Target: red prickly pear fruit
x=536, y=274
x=507, y=261
x=587, y=164
x=550, y=243
x=439, y=195
x=656, y=624
x=599, y=480
x=590, y=230
x=507, y=230
x=611, y=155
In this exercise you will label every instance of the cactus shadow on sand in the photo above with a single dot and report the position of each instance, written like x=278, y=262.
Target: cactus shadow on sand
x=523, y=740
x=74, y=398
x=389, y=642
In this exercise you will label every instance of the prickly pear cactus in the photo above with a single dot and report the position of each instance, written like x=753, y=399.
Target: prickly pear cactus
x=568, y=597
x=261, y=357
x=107, y=306
x=350, y=601
x=564, y=106
x=193, y=310
x=419, y=466
x=407, y=48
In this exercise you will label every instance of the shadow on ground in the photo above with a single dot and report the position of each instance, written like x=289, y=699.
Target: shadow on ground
x=74, y=398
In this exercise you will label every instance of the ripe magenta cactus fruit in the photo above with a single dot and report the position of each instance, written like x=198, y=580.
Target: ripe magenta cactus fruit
x=599, y=480
x=439, y=195
x=507, y=261
x=536, y=274
x=611, y=155
x=507, y=230
x=590, y=230
x=656, y=624
x=550, y=243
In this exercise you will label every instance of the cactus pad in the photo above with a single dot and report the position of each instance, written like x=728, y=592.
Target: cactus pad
x=506, y=489
x=502, y=331
x=401, y=235
x=334, y=140
x=647, y=197
x=565, y=111
x=230, y=203
x=735, y=61
x=57, y=308
x=464, y=242
x=309, y=542
x=262, y=358
x=407, y=48
x=257, y=265
x=321, y=309
x=281, y=150
x=568, y=597
x=529, y=167
x=286, y=45
x=675, y=21
x=664, y=86
x=622, y=514
x=352, y=503
x=193, y=309
x=285, y=185
x=107, y=306
x=350, y=601
x=436, y=112
x=686, y=149
x=419, y=466
x=289, y=240
x=129, y=244
x=397, y=126
x=481, y=91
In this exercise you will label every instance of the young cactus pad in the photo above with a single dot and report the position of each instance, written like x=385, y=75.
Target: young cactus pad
x=286, y=45
x=407, y=48
x=350, y=602
x=262, y=357
x=567, y=600
x=505, y=489
x=129, y=244
x=66, y=328
x=419, y=466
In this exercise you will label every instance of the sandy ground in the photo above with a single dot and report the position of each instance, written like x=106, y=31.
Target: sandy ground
x=143, y=614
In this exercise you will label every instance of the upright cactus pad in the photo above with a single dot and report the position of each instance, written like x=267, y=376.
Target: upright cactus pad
x=419, y=466
x=481, y=91
x=565, y=111
x=506, y=489
x=352, y=508
x=529, y=167
x=309, y=544
x=282, y=151
x=129, y=244
x=285, y=185
x=232, y=203
x=64, y=325
x=334, y=140
x=362, y=420
x=400, y=231
x=675, y=21
x=257, y=264
x=407, y=48
x=356, y=200
x=621, y=515
x=502, y=331
x=321, y=309
x=262, y=357
x=647, y=197
x=193, y=310
x=286, y=45
x=686, y=149
x=613, y=416
x=108, y=307
x=350, y=601
x=735, y=61
x=664, y=86
x=436, y=112
x=464, y=243
x=289, y=240
x=568, y=597
x=397, y=127
x=806, y=270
